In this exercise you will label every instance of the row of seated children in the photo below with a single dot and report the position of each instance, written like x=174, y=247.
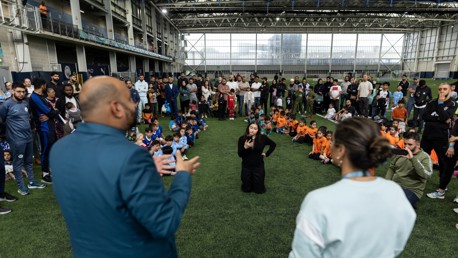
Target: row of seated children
x=193, y=119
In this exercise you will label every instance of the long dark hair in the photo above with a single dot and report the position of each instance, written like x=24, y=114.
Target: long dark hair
x=364, y=145
x=258, y=134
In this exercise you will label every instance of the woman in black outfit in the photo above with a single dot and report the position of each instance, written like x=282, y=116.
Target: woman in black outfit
x=250, y=149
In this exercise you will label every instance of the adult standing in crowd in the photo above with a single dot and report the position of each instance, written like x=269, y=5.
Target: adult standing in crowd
x=142, y=88
x=344, y=87
x=352, y=92
x=184, y=97
x=273, y=92
x=256, y=92
x=251, y=149
x=411, y=171
x=171, y=94
x=55, y=85
x=411, y=96
x=181, y=79
x=69, y=97
x=28, y=86
x=223, y=91
x=133, y=92
x=143, y=216
x=36, y=152
x=422, y=96
x=264, y=89
x=438, y=116
x=192, y=88
x=15, y=113
x=240, y=95
x=199, y=83
x=244, y=89
x=75, y=84
x=44, y=119
x=404, y=83
x=365, y=89
x=359, y=202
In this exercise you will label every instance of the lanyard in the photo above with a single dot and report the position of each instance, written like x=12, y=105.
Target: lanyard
x=356, y=174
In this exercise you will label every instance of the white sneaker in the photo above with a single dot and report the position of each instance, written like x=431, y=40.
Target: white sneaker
x=455, y=210
x=184, y=157
x=436, y=195
x=456, y=199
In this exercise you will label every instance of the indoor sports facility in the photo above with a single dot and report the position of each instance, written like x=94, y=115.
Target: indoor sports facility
x=388, y=40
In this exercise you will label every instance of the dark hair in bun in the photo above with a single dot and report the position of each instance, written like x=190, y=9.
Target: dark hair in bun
x=364, y=145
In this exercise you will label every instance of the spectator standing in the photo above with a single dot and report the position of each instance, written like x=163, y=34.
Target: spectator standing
x=365, y=89
x=142, y=88
x=423, y=95
x=15, y=113
x=75, y=84
x=171, y=93
x=256, y=92
x=54, y=84
x=223, y=91
x=404, y=83
x=411, y=94
x=44, y=118
x=438, y=116
x=345, y=84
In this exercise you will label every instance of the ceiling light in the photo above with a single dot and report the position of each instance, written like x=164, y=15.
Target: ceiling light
x=164, y=11
x=81, y=11
x=278, y=18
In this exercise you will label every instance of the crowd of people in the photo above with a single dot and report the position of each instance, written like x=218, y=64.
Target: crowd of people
x=37, y=114
x=34, y=115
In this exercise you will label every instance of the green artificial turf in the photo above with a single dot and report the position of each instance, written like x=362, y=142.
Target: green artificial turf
x=222, y=221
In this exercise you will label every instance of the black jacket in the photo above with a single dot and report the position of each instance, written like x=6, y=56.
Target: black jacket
x=437, y=119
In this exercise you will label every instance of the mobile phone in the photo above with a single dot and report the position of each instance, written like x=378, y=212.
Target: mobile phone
x=401, y=152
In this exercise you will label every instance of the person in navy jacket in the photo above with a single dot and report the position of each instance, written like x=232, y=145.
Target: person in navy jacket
x=109, y=190
x=171, y=94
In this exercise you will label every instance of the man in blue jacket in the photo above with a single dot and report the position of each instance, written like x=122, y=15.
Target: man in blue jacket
x=111, y=196
x=171, y=94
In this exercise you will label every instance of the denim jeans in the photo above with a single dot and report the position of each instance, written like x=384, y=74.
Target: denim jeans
x=240, y=99
x=413, y=199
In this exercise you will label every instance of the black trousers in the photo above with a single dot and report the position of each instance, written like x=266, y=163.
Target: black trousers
x=446, y=164
x=253, y=179
x=222, y=106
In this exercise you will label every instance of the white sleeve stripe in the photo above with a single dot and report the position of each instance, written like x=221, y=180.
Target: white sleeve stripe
x=310, y=231
x=428, y=171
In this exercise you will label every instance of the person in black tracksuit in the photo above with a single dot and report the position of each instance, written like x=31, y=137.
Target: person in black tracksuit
x=251, y=150
x=422, y=96
x=438, y=115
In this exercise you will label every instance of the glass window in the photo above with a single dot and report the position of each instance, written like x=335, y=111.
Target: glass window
x=243, y=47
x=269, y=49
x=392, y=45
x=343, y=46
x=218, y=46
x=319, y=46
x=293, y=50
x=368, y=46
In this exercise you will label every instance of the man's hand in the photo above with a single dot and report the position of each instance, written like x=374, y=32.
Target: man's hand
x=409, y=154
x=189, y=166
x=442, y=97
x=450, y=152
x=162, y=163
x=43, y=118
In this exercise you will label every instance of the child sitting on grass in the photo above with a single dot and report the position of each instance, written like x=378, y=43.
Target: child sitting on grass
x=147, y=114
x=331, y=112
x=319, y=143
x=326, y=156
x=311, y=132
x=155, y=148
x=281, y=123
x=140, y=142
x=301, y=131
x=168, y=150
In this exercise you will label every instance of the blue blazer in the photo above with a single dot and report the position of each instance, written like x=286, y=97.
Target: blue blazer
x=112, y=198
x=171, y=93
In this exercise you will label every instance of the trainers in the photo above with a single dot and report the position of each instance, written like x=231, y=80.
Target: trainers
x=4, y=211
x=184, y=157
x=7, y=197
x=456, y=199
x=46, y=179
x=455, y=210
x=36, y=185
x=436, y=195
x=23, y=192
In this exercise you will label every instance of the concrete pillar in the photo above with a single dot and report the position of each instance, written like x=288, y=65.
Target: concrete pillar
x=155, y=29
x=113, y=62
x=146, y=67
x=130, y=29
x=80, y=51
x=22, y=51
x=110, y=35
x=132, y=67
x=164, y=21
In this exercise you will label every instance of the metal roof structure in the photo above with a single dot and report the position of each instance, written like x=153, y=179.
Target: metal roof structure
x=307, y=16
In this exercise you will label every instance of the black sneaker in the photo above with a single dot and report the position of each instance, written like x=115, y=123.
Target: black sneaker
x=46, y=179
x=4, y=211
x=7, y=197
